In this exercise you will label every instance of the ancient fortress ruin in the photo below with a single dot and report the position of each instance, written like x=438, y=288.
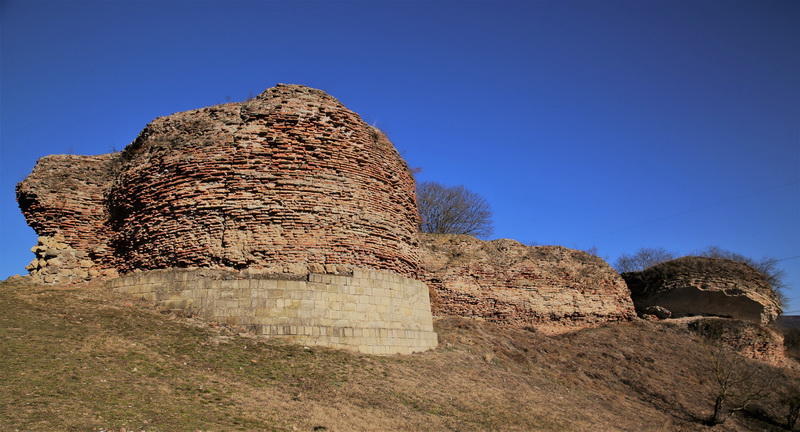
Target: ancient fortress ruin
x=503, y=281
x=705, y=286
x=726, y=301
x=286, y=214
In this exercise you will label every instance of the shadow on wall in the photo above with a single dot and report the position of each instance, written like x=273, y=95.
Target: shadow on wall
x=688, y=301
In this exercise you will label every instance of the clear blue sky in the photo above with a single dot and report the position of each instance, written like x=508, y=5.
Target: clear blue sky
x=598, y=123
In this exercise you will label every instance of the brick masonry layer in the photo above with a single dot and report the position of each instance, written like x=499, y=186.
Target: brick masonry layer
x=374, y=312
x=506, y=282
x=286, y=181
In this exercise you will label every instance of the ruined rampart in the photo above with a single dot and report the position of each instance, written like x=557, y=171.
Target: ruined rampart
x=747, y=338
x=506, y=282
x=290, y=184
x=693, y=285
x=284, y=181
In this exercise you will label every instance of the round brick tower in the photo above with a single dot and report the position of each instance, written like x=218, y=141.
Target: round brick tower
x=288, y=179
x=285, y=214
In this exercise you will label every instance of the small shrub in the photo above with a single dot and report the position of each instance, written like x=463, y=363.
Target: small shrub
x=642, y=259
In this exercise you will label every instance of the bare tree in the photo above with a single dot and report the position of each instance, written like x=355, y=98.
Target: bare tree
x=453, y=210
x=642, y=259
x=737, y=384
x=792, y=402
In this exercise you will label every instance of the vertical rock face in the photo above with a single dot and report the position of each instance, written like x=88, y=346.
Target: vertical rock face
x=705, y=286
x=288, y=181
x=512, y=284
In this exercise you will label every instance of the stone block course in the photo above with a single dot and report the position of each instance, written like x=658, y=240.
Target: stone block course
x=404, y=325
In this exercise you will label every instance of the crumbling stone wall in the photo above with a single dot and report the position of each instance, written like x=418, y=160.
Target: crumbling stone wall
x=286, y=214
x=290, y=181
x=63, y=200
x=705, y=286
x=508, y=283
x=56, y=262
x=747, y=338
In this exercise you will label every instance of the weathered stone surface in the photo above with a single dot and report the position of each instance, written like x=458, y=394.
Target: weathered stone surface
x=747, y=338
x=705, y=286
x=375, y=312
x=288, y=179
x=657, y=311
x=57, y=262
x=289, y=183
x=512, y=284
x=63, y=200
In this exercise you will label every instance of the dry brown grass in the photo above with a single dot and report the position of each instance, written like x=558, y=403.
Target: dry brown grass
x=81, y=359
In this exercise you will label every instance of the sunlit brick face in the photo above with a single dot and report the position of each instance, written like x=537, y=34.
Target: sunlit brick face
x=289, y=177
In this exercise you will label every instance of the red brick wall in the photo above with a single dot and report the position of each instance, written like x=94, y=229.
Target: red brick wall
x=65, y=194
x=289, y=177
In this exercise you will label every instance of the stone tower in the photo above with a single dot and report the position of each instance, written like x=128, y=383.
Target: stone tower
x=286, y=213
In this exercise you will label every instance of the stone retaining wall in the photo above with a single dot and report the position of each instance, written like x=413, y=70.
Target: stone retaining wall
x=375, y=312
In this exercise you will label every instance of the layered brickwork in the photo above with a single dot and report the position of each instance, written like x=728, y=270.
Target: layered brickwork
x=288, y=181
x=290, y=177
x=512, y=284
x=377, y=312
x=705, y=286
x=64, y=197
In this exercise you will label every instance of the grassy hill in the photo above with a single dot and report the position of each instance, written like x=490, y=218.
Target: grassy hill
x=80, y=359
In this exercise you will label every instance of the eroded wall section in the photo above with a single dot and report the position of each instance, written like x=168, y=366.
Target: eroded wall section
x=511, y=284
x=288, y=178
x=287, y=181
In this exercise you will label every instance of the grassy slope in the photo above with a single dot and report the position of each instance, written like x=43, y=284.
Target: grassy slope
x=81, y=359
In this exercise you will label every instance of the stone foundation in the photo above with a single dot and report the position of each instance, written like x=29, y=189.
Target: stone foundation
x=374, y=312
